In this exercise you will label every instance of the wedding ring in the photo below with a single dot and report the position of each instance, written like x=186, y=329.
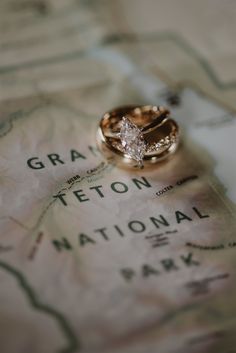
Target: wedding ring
x=137, y=135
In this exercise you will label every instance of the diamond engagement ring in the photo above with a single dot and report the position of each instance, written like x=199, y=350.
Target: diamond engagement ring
x=137, y=135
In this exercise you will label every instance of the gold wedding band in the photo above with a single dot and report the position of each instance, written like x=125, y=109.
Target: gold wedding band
x=137, y=135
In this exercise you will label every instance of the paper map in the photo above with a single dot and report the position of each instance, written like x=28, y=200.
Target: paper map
x=94, y=258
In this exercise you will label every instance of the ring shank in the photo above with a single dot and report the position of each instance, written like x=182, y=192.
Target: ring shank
x=139, y=115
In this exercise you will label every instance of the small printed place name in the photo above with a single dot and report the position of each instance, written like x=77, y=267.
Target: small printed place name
x=212, y=247
x=202, y=286
x=90, y=173
x=178, y=183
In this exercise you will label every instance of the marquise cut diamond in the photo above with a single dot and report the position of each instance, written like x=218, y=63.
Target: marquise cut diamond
x=129, y=132
x=132, y=140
